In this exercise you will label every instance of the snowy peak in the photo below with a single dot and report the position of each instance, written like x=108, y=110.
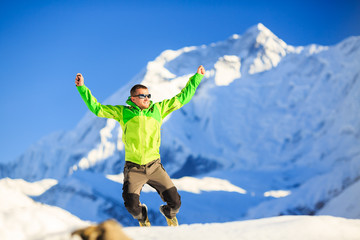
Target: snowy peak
x=256, y=51
x=258, y=32
x=265, y=49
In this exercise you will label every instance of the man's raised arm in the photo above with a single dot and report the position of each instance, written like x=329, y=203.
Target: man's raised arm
x=106, y=111
x=169, y=105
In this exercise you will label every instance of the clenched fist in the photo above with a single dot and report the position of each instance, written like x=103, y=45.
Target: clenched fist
x=201, y=70
x=79, y=80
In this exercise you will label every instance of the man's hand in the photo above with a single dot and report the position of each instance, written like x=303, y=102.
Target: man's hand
x=79, y=80
x=201, y=70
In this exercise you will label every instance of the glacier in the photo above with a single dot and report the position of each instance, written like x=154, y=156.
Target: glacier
x=268, y=118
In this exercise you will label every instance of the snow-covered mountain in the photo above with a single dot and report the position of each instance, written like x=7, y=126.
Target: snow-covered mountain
x=280, y=122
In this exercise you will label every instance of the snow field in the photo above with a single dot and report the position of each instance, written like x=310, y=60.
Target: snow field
x=21, y=218
x=275, y=228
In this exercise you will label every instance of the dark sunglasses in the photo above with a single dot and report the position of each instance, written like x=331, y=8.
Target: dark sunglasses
x=142, y=96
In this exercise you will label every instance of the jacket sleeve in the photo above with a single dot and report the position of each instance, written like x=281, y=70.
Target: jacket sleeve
x=169, y=105
x=106, y=111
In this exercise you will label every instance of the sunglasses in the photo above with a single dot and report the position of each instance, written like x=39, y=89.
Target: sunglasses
x=142, y=96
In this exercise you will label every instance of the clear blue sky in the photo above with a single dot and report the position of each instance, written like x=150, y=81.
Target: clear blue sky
x=43, y=44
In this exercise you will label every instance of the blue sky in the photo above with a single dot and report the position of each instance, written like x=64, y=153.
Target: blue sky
x=43, y=44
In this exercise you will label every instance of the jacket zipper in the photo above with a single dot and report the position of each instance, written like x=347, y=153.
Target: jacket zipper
x=141, y=138
x=125, y=134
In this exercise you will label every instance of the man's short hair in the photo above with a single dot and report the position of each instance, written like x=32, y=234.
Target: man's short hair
x=136, y=87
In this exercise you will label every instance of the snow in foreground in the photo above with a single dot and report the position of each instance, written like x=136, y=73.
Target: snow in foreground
x=275, y=228
x=21, y=218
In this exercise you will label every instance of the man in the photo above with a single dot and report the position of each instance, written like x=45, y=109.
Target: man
x=140, y=122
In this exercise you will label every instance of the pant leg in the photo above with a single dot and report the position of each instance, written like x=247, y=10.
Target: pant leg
x=160, y=180
x=134, y=179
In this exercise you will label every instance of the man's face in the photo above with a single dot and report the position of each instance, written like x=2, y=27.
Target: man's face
x=141, y=103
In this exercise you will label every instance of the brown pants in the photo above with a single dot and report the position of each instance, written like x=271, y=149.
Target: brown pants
x=154, y=174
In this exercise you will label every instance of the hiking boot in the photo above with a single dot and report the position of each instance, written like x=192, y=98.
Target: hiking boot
x=170, y=221
x=144, y=222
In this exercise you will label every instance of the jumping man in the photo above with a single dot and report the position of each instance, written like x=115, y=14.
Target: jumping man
x=140, y=122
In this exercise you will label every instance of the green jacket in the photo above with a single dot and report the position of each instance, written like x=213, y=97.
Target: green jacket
x=141, y=128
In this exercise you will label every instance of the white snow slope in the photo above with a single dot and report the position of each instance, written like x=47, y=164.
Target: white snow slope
x=278, y=123
x=276, y=228
x=344, y=205
x=23, y=219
